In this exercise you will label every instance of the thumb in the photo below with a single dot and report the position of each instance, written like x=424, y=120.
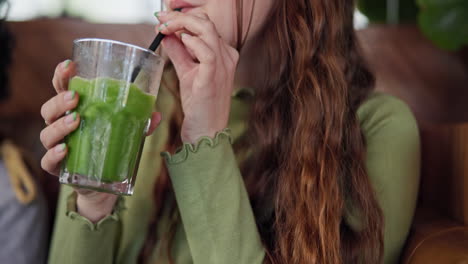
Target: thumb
x=178, y=54
x=156, y=119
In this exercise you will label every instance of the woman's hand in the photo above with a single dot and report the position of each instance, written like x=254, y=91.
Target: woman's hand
x=205, y=65
x=93, y=205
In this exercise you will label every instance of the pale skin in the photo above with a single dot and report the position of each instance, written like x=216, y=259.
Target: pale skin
x=200, y=43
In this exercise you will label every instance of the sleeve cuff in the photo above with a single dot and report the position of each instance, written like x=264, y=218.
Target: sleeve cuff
x=72, y=213
x=184, y=152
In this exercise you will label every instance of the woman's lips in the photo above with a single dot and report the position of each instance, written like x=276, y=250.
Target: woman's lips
x=180, y=4
x=186, y=9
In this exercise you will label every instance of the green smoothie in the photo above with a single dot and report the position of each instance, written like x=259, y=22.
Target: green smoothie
x=114, y=116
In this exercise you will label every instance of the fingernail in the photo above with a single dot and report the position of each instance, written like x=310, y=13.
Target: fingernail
x=69, y=119
x=164, y=26
x=70, y=95
x=67, y=62
x=184, y=35
x=156, y=14
x=60, y=148
x=160, y=14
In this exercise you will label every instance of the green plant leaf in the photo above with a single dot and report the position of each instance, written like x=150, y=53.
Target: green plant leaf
x=445, y=22
x=438, y=3
x=376, y=10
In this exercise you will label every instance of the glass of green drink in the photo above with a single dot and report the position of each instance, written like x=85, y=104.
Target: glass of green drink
x=117, y=84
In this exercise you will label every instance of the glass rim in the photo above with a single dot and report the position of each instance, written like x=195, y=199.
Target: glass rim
x=80, y=40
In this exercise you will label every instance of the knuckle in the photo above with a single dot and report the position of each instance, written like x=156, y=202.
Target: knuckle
x=45, y=163
x=57, y=68
x=56, y=71
x=42, y=137
x=198, y=16
x=212, y=93
x=235, y=56
x=55, y=77
x=210, y=57
x=45, y=139
x=210, y=25
x=233, y=53
x=44, y=111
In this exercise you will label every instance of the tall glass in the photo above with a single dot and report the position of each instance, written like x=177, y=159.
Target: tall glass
x=117, y=85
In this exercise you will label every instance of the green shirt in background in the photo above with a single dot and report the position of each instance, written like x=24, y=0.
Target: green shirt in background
x=218, y=225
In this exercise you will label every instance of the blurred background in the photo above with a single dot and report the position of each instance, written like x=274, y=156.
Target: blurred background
x=104, y=11
x=418, y=50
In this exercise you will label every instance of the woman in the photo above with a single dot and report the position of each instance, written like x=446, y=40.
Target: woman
x=320, y=169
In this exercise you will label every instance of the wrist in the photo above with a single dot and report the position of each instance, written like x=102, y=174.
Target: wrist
x=192, y=131
x=194, y=137
x=95, y=206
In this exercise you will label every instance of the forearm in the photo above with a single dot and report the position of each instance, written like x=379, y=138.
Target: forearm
x=214, y=205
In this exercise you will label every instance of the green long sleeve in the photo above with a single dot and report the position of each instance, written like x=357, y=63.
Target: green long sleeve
x=77, y=240
x=213, y=203
x=393, y=165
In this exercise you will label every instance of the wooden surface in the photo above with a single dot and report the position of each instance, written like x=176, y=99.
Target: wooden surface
x=445, y=174
x=459, y=136
x=436, y=238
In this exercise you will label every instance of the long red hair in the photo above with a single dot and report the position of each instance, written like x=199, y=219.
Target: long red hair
x=309, y=151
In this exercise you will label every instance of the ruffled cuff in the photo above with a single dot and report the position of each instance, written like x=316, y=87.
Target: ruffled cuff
x=187, y=149
x=72, y=213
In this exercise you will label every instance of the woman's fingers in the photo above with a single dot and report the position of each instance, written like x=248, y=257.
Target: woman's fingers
x=57, y=131
x=53, y=110
x=54, y=133
x=205, y=56
x=199, y=48
x=51, y=160
x=155, y=121
x=63, y=72
x=196, y=25
x=231, y=52
x=58, y=105
x=178, y=54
